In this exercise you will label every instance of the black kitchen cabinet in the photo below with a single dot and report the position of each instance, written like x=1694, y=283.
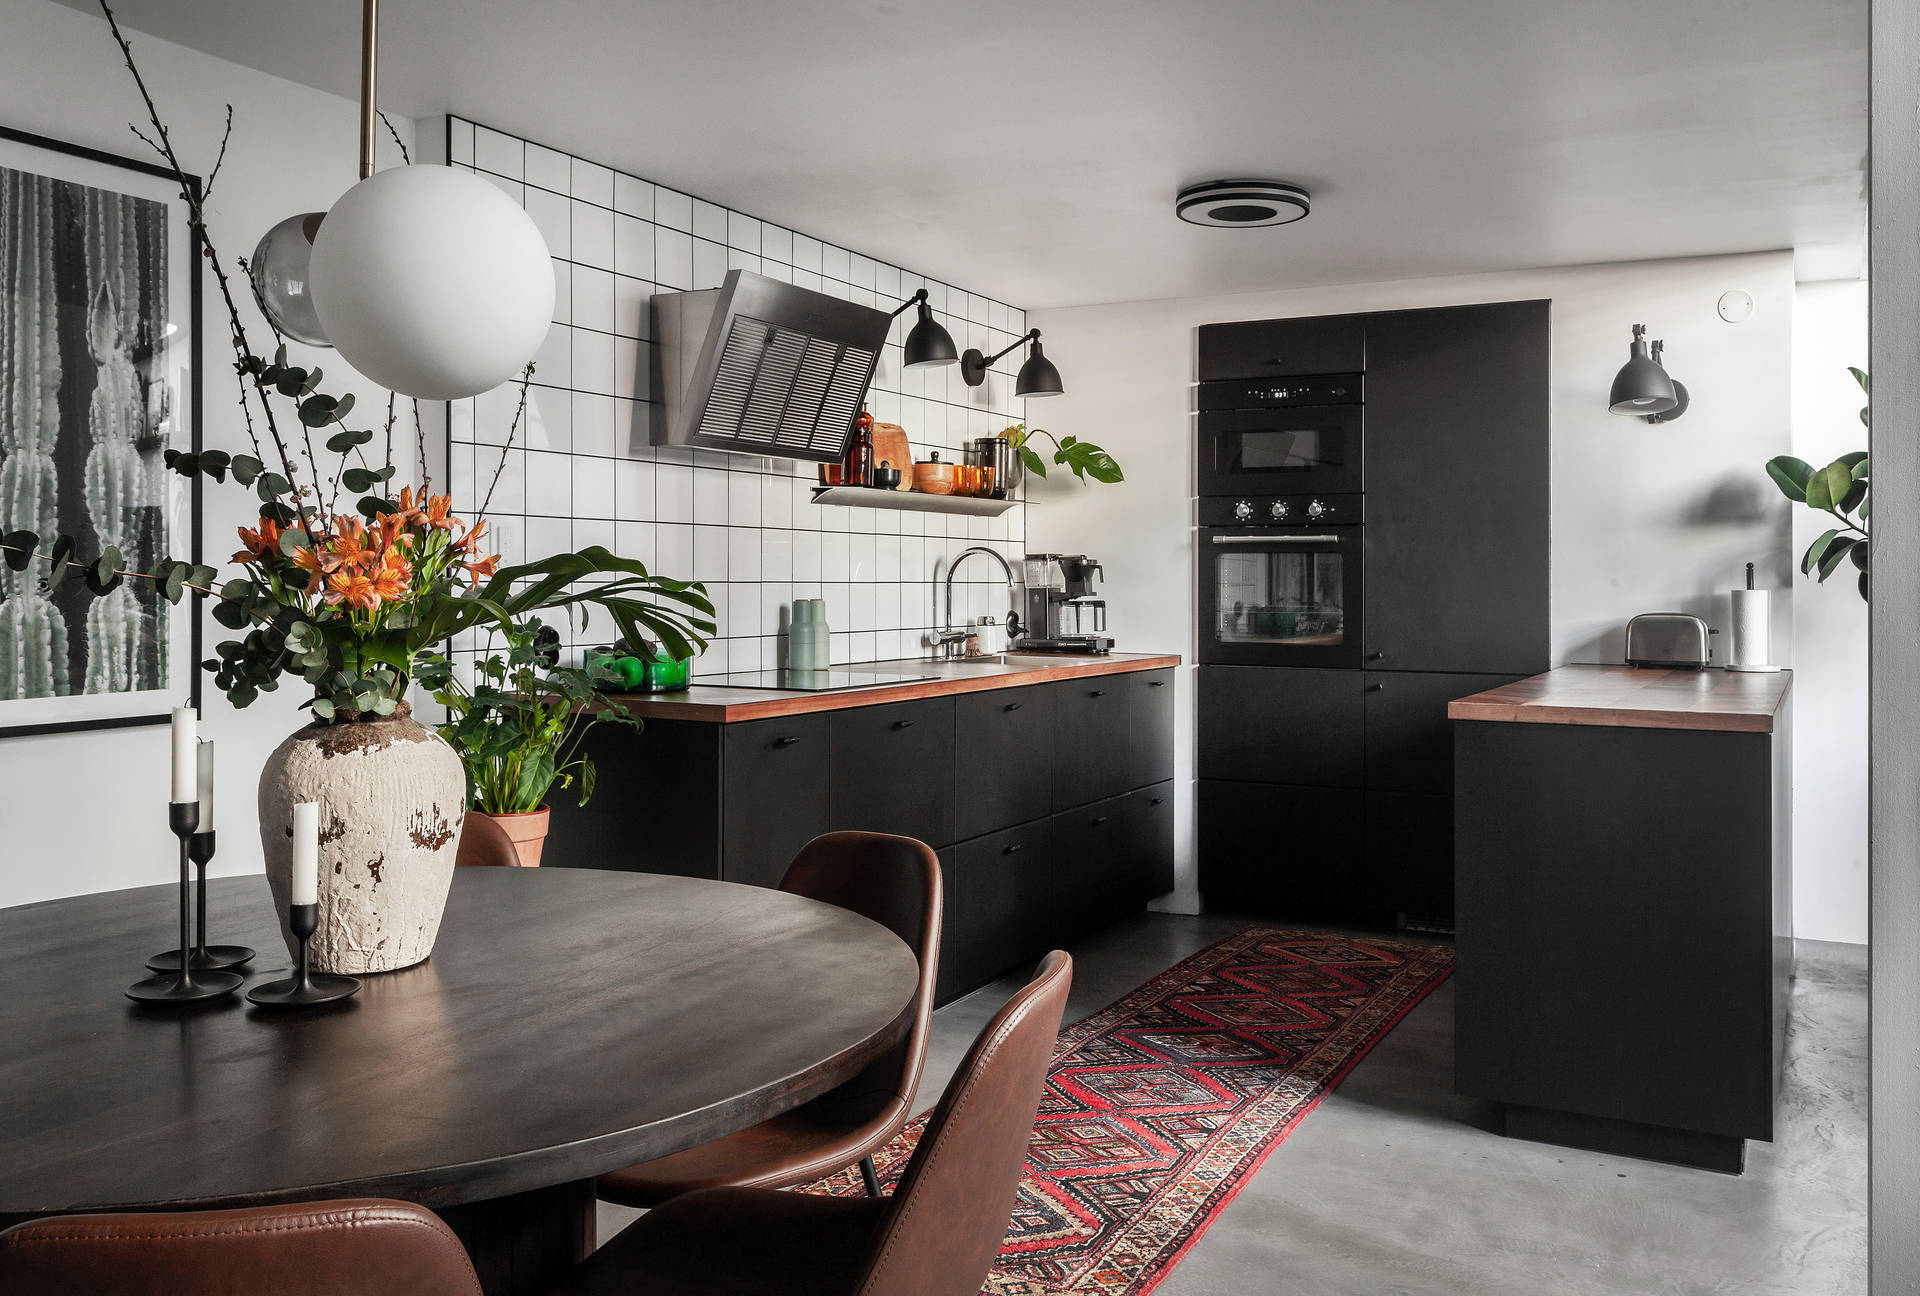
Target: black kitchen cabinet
x=1456, y=536
x=1283, y=348
x=893, y=769
x=1409, y=854
x=1091, y=867
x=775, y=786
x=1149, y=856
x=1409, y=740
x=1294, y=851
x=1149, y=727
x=1091, y=725
x=1002, y=887
x=1004, y=765
x=1282, y=725
x=985, y=778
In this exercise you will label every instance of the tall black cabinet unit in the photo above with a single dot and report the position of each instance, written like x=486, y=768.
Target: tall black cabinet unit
x=1328, y=793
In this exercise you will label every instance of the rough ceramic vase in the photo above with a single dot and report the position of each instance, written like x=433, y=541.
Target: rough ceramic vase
x=392, y=797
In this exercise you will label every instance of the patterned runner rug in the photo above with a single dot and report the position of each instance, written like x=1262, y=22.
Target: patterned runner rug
x=1161, y=1106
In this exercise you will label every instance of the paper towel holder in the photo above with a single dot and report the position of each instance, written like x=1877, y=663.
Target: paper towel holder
x=1752, y=631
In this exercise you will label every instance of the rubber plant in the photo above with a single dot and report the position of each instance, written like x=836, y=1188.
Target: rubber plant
x=1084, y=457
x=519, y=721
x=1842, y=490
x=343, y=594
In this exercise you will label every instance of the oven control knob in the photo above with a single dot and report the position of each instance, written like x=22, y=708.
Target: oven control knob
x=1279, y=511
x=1243, y=510
x=1316, y=510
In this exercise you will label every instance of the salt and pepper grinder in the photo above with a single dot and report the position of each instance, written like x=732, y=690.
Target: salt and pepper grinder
x=184, y=984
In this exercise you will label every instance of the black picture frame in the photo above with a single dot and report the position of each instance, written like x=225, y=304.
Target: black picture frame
x=192, y=247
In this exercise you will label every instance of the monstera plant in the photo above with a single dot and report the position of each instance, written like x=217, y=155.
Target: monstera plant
x=1843, y=491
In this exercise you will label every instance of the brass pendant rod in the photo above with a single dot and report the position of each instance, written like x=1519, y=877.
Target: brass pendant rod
x=369, y=64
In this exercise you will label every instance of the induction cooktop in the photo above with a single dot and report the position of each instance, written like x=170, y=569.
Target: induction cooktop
x=804, y=681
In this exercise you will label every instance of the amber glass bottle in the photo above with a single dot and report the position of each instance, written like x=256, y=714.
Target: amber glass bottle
x=860, y=450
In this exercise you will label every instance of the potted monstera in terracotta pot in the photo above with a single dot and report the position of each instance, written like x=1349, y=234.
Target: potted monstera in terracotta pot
x=516, y=720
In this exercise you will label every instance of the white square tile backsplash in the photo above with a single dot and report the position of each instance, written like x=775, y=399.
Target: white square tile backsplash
x=583, y=469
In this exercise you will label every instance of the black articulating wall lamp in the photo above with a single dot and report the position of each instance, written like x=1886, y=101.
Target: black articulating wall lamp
x=928, y=344
x=1642, y=389
x=1037, y=377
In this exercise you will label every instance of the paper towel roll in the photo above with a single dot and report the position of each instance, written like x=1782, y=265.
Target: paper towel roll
x=1752, y=631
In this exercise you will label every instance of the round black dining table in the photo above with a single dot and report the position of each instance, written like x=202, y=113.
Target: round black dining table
x=570, y=1022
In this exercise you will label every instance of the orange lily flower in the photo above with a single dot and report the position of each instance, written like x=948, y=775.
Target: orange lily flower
x=440, y=513
x=466, y=542
x=314, y=564
x=409, y=513
x=259, y=543
x=483, y=566
x=352, y=588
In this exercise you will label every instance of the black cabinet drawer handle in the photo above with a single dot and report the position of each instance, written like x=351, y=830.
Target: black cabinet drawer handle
x=1096, y=821
x=787, y=741
x=1156, y=683
x=1380, y=655
x=1376, y=688
x=1014, y=849
x=1157, y=801
x=904, y=724
x=1098, y=693
x=1014, y=706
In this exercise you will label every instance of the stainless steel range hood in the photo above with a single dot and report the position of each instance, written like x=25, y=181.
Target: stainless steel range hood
x=757, y=366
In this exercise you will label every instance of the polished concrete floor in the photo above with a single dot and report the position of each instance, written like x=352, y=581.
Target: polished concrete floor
x=1396, y=1185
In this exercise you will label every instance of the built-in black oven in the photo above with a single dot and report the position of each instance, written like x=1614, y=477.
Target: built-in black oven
x=1281, y=436
x=1279, y=580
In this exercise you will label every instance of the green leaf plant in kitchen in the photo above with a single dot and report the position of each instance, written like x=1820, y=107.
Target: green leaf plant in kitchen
x=1084, y=457
x=1842, y=490
x=517, y=726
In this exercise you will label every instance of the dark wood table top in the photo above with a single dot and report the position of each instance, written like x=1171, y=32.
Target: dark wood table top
x=1635, y=698
x=570, y=1022
x=715, y=704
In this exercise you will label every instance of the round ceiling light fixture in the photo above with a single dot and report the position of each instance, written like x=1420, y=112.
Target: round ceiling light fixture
x=1242, y=204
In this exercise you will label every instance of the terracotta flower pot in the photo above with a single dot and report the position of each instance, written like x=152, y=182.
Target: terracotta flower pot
x=392, y=798
x=528, y=832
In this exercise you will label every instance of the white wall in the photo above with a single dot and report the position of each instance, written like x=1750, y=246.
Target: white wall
x=1645, y=518
x=85, y=811
x=1829, y=633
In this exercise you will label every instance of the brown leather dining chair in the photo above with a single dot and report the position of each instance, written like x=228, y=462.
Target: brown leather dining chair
x=936, y=1236
x=484, y=842
x=896, y=882
x=362, y=1247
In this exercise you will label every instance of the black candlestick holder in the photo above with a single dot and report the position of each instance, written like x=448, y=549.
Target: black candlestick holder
x=205, y=957
x=304, y=988
x=184, y=984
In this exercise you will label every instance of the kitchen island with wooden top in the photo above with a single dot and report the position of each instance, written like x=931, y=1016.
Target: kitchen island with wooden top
x=1624, y=907
x=1044, y=783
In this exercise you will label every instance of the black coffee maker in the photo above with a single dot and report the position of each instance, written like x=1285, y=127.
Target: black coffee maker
x=1061, y=609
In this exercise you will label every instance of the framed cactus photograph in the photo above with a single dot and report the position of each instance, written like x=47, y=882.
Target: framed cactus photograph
x=99, y=361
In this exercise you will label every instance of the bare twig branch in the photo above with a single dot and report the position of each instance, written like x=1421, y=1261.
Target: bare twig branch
x=402, y=144
x=206, y=189
x=513, y=430
x=420, y=448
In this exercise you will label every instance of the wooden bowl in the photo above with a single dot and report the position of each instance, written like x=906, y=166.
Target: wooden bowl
x=933, y=477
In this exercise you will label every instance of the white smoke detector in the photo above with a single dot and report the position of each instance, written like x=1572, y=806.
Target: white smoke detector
x=1242, y=204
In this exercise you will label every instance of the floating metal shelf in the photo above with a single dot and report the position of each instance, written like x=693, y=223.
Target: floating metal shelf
x=911, y=501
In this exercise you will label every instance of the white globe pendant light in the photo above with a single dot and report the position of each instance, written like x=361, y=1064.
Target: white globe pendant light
x=428, y=280
x=432, y=282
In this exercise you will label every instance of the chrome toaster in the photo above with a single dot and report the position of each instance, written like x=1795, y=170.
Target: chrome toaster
x=1668, y=639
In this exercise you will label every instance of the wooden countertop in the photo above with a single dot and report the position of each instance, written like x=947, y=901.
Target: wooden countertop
x=718, y=705
x=1626, y=697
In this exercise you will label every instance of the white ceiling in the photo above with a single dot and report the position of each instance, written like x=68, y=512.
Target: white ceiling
x=1032, y=148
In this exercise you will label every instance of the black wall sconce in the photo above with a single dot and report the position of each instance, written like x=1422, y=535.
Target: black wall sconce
x=1037, y=377
x=1642, y=389
x=928, y=344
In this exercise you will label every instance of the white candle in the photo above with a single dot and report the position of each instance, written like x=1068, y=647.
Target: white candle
x=186, y=764
x=206, y=785
x=306, y=853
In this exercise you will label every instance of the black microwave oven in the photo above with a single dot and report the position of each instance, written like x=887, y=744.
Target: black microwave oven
x=1291, y=436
